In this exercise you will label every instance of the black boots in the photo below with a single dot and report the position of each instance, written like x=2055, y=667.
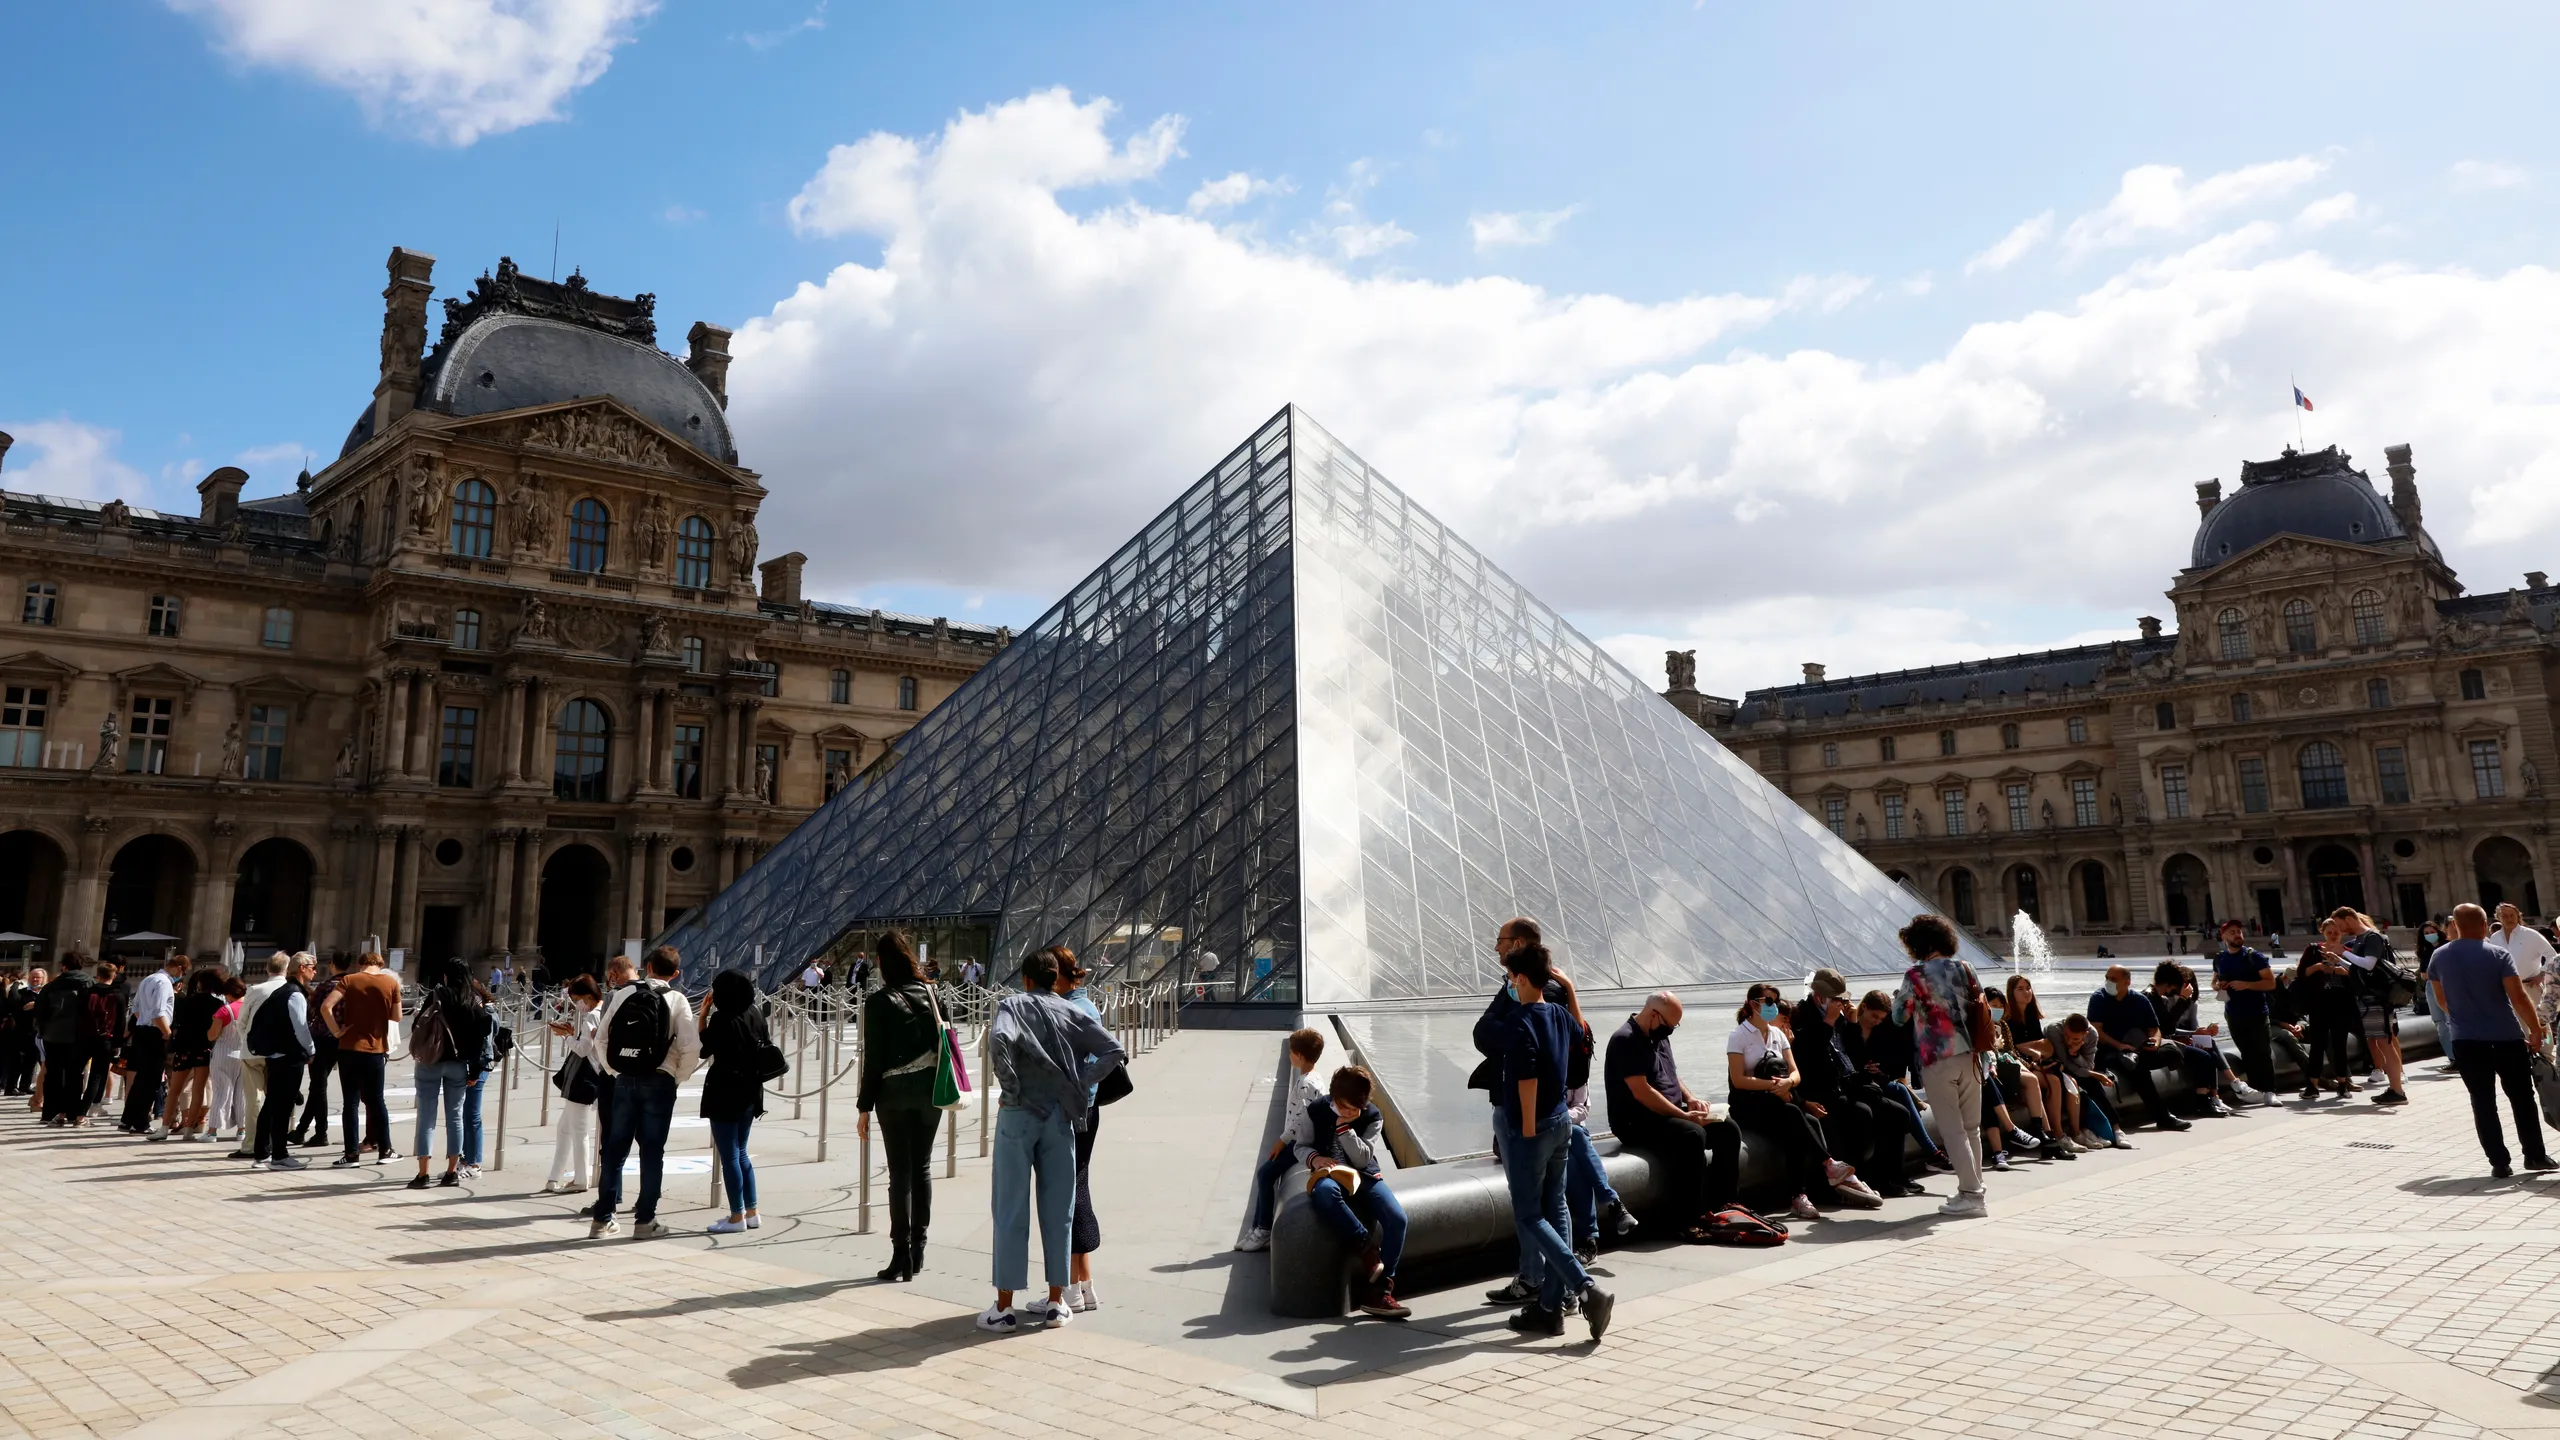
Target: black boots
x=899, y=1267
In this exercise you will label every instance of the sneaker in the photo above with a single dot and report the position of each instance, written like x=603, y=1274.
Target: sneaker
x=2088, y=1140
x=2391, y=1097
x=470, y=1172
x=1092, y=1297
x=601, y=1229
x=2000, y=1160
x=2215, y=1108
x=2119, y=1143
x=1572, y=1304
x=1586, y=1251
x=647, y=1230
x=550, y=1187
x=1597, y=1306
x=725, y=1227
x=2059, y=1149
x=2172, y=1122
x=1803, y=1208
x=288, y=1162
x=754, y=1222
x=1614, y=1219
x=1965, y=1205
x=1857, y=1194
x=1055, y=1314
x=1836, y=1171
x=2377, y=1078
x=419, y=1181
x=385, y=1157
x=2310, y=1092
x=1942, y=1164
x=155, y=1134
x=1514, y=1293
x=1533, y=1321
x=343, y=1161
x=1254, y=1240
x=449, y=1179
x=581, y=1190
x=257, y=1164
x=999, y=1320
x=1382, y=1303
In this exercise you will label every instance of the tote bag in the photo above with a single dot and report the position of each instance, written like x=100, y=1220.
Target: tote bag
x=950, y=1075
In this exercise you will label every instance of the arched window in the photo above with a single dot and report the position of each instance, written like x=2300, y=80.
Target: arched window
x=906, y=692
x=693, y=553
x=2009, y=737
x=474, y=528
x=2371, y=627
x=1960, y=892
x=590, y=528
x=840, y=686
x=578, y=757
x=2323, y=771
x=2301, y=635
x=2231, y=628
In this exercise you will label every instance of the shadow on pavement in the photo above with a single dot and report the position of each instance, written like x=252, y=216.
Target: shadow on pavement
x=736, y=1300
x=863, y=1353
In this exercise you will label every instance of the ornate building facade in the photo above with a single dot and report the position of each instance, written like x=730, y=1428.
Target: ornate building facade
x=2332, y=722
x=505, y=677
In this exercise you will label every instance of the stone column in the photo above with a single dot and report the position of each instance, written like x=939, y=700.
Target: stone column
x=724, y=748
x=2374, y=899
x=2297, y=891
x=528, y=908
x=728, y=863
x=386, y=852
x=422, y=726
x=538, y=758
x=661, y=710
x=635, y=851
x=221, y=879
x=412, y=842
x=502, y=889
x=395, y=723
x=88, y=913
x=653, y=904
x=511, y=708
x=747, y=744
x=644, y=766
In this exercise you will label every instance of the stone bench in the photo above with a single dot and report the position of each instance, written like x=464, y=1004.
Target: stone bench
x=1458, y=1213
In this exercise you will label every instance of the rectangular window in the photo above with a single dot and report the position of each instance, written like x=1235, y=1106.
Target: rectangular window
x=840, y=687
x=22, y=710
x=2488, y=776
x=1884, y=746
x=693, y=653
x=2253, y=784
x=2017, y=792
x=2241, y=710
x=1952, y=804
x=41, y=596
x=164, y=616
x=687, y=757
x=277, y=631
x=769, y=766
x=264, y=759
x=772, y=685
x=457, y=746
x=1893, y=817
x=2084, y=800
x=2077, y=727
x=2391, y=767
x=1830, y=752
x=2475, y=685
x=146, y=740
x=2173, y=791
x=466, y=629
x=1946, y=742
x=1835, y=813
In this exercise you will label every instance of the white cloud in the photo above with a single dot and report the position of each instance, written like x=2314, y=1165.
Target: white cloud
x=680, y=213
x=1349, y=230
x=2488, y=175
x=2156, y=200
x=451, y=70
x=2329, y=210
x=766, y=39
x=1013, y=388
x=1232, y=189
x=66, y=457
x=2009, y=249
x=1498, y=228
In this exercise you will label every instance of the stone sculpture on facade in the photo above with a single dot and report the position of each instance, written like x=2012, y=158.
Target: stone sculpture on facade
x=110, y=745
x=230, y=752
x=742, y=547
x=653, y=532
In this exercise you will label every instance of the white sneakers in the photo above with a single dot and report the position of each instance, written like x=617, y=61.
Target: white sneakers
x=1803, y=1208
x=599, y=1229
x=725, y=1227
x=1856, y=1193
x=1054, y=1312
x=1003, y=1320
x=999, y=1320
x=1254, y=1240
x=1081, y=1297
x=2088, y=1140
x=1965, y=1204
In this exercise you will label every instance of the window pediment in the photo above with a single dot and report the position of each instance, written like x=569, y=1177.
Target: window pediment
x=36, y=662
x=160, y=677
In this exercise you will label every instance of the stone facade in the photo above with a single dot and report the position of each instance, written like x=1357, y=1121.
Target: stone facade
x=499, y=679
x=2333, y=722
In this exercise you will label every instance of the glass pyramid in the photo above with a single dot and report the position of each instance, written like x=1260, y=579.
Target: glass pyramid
x=1299, y=743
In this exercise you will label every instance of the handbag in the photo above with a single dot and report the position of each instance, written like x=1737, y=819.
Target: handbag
x=576, y=1081
x=950, y=1076
x=1115, y=1086
x=2546, y=1083
x=771, y=1063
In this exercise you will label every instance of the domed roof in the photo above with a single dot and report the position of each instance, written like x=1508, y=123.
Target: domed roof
x=517, y=342
x=2318, y=495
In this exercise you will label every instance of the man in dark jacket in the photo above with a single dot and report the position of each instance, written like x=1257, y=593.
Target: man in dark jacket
x=62, y=1015
x=1857, y=1117
x=1357, y=1205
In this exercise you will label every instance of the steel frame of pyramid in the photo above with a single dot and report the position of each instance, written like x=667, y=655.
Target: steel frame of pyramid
x=1298, y=741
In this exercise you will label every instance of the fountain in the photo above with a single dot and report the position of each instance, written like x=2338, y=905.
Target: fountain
x=2027, y=948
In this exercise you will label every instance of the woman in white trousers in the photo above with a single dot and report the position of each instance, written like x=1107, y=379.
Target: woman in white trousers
x=223, y=1113
x=573, y=1136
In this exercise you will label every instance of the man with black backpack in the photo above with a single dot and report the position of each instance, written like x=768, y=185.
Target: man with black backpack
x=280, y=1035
x=62, y=1012
x=650, y=1042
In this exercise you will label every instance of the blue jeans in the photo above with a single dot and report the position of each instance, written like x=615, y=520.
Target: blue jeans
x=1912, y=1116
x=1586, y=1186
x=1028, y=1144
x=2093, y=1116
x=1265, y=1176
x=737, y=1172
x=1534, y=1168
x=471, y=1094
x=1376, y=1204
x=440, y=1089
x=643, y=1107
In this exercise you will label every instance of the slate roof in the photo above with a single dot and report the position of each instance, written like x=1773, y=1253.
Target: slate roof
x=2003, y=676
x=2319, y=495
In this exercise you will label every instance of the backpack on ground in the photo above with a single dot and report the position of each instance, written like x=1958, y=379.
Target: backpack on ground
x=430, y=1037
x=641, y=1034
x=1734, y=1225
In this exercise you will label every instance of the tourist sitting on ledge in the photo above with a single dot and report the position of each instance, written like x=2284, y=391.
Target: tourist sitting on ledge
x=1306, y=1047
x=2128, y=1040
x=2200, y=1058
x=1863, y=1124
x=1652, y=1112
x=1881, y=1049
x=1348, y=1188
x=2069, y=1052
x=1760, y=1066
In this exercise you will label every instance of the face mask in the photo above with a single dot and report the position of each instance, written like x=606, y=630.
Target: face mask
x=1665, y=1031
x=2123, y=988
x=1768, y=1010
x=1998, y=1010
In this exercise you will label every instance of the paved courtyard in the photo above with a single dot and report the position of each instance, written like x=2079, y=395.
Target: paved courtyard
x=2333, y=1272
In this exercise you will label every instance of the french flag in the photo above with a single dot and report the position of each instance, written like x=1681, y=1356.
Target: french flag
x=2301, y=399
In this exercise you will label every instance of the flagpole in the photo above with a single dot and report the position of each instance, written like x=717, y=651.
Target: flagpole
x=2299, y=443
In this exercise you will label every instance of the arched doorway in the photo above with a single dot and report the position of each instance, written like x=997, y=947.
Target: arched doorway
x=2024, y=894
x=2092, y=886
x=271, y=897
x=2186, y=893
x=1958, y=887
x=577, y=885
x=31, y=887
x=2504, y=871
x=2336, y=880
x=151, y=886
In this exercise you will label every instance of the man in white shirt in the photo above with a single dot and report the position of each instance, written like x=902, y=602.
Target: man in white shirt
x=2527, y=951
x=155, y=1004
x=641, y=1104
x=253, y=1069
x=813, y=976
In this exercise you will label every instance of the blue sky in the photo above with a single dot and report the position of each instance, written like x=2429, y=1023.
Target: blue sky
x=1694, y=315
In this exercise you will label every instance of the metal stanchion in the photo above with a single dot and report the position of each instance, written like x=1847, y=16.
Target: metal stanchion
x=862, y=1159
x=986, y=1083
x=546, y=1069
x=826, y=1084
x=951, y=1147
x=506, y=1082
x=714, y=1201
x=800, y=1063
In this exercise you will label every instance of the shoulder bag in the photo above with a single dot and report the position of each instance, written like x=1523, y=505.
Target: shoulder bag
x=771, y=1063
x=950, y=1075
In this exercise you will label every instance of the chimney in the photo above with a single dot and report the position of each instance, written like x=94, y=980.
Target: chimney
x=2208, y=495
x=782, y=578
x=6, y=440
x=404, y=336
x=219, y=495
x=1813, y=672
x=2404, y=487
x=2150, y=627
x=2536, y=580
x=710, y=358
